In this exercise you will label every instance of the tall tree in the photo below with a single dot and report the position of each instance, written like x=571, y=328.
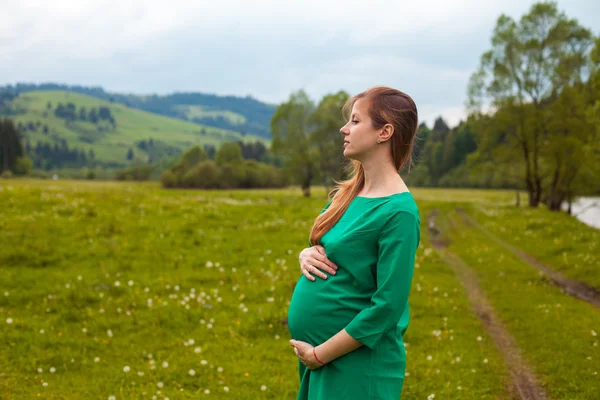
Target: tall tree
x=10, y=145
x=327, y=120
x=528, y=63
x=440, y=130
x=291, y=128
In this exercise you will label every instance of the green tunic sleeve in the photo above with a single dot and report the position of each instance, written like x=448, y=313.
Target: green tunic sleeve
x=398, y=244
x=322, y=211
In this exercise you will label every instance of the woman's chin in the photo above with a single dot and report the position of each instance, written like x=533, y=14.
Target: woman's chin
x=349, y=154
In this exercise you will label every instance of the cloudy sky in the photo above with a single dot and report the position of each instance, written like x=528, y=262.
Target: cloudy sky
x=262, y=48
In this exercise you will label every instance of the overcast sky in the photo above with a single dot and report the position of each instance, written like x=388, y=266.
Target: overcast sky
x=262, y=48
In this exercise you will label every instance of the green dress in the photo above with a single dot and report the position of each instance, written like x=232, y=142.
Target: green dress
x=374, y=245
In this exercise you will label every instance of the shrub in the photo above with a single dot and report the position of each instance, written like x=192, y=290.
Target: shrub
x=168, y=179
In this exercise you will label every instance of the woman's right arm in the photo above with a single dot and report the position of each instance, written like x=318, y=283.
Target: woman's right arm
x=315, y=256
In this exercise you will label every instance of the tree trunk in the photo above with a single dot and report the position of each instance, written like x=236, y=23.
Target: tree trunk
x=555, y=200
x=529, y=178
x=307, y=180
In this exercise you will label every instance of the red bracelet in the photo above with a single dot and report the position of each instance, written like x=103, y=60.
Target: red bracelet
x=315, y=354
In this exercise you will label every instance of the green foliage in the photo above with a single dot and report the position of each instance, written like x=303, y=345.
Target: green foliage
x=90, y=174
x=228, y=171
x=11, y=148
x=229, y=152
x=327, y=119
x=193, y=156
x=168, y=179
x=135, y=173
x=291, y=128
x=232, y=175
x=534, y=77
x=23, y=166
x=204, y=175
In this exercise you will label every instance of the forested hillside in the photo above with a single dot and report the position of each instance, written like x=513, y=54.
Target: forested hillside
x=66, y=129
x=245, y=115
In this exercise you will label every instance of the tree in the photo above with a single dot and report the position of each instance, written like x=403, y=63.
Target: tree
x=10, y=145
x=23, y=165
x=290, y=128
x=440, y=130
x=327, y=120
x=193, y=156
x=529, y=62
x=229, y=152
x=93, y=116
x=130, y=154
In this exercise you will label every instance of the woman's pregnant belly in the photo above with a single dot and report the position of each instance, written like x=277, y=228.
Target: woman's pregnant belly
x=319, y=309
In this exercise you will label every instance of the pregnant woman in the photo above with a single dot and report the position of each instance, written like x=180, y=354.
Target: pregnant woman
x=349, y=309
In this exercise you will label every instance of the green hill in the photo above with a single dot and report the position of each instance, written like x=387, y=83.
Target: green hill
x=37, y=113
x=239, y=114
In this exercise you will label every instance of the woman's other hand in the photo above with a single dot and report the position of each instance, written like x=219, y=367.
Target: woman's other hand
x=313, y=259
x=304, y=351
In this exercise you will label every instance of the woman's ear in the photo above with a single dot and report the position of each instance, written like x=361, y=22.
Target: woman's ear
x=387, y=132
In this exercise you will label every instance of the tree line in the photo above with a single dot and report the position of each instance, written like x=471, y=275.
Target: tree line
x=533, y=122
x=69, y=112
x=46, y=156
x=228, y=170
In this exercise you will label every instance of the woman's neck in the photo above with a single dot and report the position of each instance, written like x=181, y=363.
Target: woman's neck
x=381, y=178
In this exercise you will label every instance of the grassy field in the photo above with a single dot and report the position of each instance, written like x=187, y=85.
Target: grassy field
x=132, y=125
x=132, y=291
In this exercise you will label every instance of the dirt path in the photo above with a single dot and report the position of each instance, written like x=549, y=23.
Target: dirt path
x=523, y=384
x=572, y=287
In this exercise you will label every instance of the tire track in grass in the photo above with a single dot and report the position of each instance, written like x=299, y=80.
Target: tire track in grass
x=524, y=384
x=572, y=287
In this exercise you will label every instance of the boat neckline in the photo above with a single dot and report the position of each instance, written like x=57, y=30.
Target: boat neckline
x=383, y=197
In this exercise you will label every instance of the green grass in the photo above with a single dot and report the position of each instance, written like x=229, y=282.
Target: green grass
x=556, y=333
x=572, y=247
x=132, y=125
x=229, y=259
x=449, y=354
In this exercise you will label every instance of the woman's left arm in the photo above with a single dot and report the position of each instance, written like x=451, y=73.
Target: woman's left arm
x=398, y=244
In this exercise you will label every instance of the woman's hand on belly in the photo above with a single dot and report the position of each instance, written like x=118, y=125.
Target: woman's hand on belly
x=314, y=258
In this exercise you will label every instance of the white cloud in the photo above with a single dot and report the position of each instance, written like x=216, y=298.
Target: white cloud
x=268, y=49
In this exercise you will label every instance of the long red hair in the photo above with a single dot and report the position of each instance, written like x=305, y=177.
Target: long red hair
x=386, y=106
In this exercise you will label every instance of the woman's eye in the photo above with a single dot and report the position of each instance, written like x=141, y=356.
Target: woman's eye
x=356, y=122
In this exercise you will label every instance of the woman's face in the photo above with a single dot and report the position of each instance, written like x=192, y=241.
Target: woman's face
x=360, y=136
